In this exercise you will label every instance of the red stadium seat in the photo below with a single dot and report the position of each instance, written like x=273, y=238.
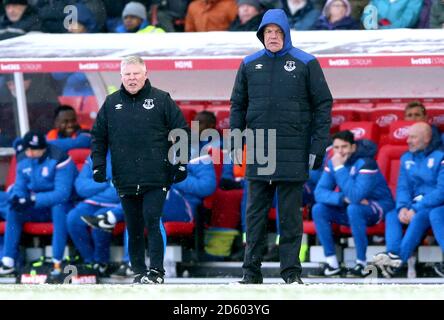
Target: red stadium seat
x=74, y=101
x=340, y=114
x=398, y=132
x=385, y=113
x=435, y=114
x=222, y=114
x=79, y=156
x=2, y=227
x=388, y=160
x=188, y=114
x=179, y=229
x=376, y=230
x=362, y=130
x=226, y=209
x=38, y=228
x=10, y=178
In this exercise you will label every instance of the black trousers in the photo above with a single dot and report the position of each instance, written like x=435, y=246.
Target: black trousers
x=259, y=201
x=144, y=211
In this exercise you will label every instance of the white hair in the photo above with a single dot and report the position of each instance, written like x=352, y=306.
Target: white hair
x=132, y=60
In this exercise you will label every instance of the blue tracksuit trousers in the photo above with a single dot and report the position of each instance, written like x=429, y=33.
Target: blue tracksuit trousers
x=357, y=216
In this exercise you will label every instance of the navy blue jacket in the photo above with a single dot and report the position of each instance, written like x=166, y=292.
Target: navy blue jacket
x=285, y=91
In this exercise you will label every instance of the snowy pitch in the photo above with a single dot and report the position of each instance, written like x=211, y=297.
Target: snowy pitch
x=226, y=289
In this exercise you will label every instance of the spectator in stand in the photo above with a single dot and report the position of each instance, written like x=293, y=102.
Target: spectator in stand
x=18, y=19
x=393, y=14
x=210, y=15
x=169, y=14
x=98, y=200
x=357, y=8
x=133, y=18
x=416, y=111
x=336, y=16
x=77, y=84
x=351, y=191
x=437, y=15
x=67, y=133
x=424, y=15
x=249, y=16
x=419, y=200
x=41, y=192
x=114, y=10
x=51, y=15
x=42, y=99
x=302, y=15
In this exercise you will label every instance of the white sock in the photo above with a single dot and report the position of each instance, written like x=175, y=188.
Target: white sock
x=111, y=217
x=8, y=262
x=364, y=263
x=332, y=262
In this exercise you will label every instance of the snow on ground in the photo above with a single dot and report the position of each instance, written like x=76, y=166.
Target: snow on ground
x=205, y=290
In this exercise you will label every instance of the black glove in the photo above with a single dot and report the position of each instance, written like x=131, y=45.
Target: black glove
x=99, y=174
x=179, y=172
x=22, y=204
x=315, y=161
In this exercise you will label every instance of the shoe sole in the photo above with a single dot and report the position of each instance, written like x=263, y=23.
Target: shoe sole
x=438, y=272
x=95, y=227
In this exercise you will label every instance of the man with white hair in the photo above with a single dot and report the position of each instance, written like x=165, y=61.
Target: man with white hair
x=135, y=125
x=419, y=194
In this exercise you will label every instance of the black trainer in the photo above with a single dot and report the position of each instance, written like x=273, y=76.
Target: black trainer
x=100, y=222
x=101, y=269
x=439, y=269
x=294, y=279
x=358, y=271
x=124, y=271
x=328, y=271
x=150, y=277
x=251, y=280
x=6, y=271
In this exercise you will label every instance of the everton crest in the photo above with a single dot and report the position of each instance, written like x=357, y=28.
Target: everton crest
x=290, y=66
x=148, y=104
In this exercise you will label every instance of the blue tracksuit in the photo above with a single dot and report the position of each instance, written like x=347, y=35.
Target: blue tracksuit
x=51, y=179
x=81, y=139
x=357, y=180
x=184, y=197
x=421, y=188
x=98, y=199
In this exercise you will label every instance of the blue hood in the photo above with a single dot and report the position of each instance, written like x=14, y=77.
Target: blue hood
x=278, y=17
x=364, y=149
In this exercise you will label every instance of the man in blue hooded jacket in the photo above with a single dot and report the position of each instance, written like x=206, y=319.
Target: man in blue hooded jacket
x=353, y=192
x=419, y=200
x=279, y=91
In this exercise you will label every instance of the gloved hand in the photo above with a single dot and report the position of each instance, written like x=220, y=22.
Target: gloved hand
x=179, y=172
x=99, y=174
x=21, y=204
x=315, y=161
